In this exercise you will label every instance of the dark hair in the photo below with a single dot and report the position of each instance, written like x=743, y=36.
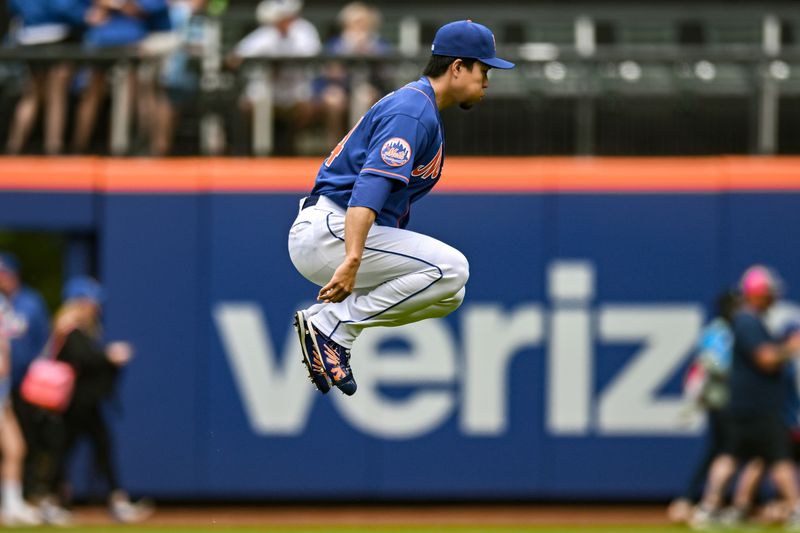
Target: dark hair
x=438, y=65
x=727, y=304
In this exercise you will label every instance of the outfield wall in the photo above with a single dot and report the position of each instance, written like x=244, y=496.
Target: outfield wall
x=559, y=377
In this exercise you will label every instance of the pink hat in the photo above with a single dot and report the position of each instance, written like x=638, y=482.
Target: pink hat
x=758, y=280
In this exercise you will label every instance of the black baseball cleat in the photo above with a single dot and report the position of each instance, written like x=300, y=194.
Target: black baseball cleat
x=311, y=357
x=335, y=359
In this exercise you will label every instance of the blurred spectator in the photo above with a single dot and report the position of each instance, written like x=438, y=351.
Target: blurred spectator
x=337, y=88
x=174, y=83
x=114, y=24
x=282, y=33
x=758, y=399
x=15, y=510
x=159, y=42
x=43, y=24
x=709, y=392
x=27, y=304
x=748, y=483
x=77, y=330
x=36, y=424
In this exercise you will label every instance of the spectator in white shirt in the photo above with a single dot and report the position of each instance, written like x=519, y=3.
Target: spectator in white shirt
x=282, y=33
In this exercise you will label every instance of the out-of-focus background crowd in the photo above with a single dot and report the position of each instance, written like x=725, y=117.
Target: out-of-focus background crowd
x=180, y=77
x=58, y=384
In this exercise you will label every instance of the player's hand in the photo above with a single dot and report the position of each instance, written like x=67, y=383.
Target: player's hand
x=341, y=284
x=119, y=353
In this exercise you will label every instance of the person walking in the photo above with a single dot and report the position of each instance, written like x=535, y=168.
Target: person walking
x=707, y=386
x=14, y=511
x=77, y=334
x=41, y=429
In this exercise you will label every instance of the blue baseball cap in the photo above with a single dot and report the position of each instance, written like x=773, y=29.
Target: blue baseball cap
x=83, y=287
x=465, y=38
x=9, y=262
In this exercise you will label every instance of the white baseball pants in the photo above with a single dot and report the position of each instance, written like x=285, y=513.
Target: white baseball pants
x=404, y=276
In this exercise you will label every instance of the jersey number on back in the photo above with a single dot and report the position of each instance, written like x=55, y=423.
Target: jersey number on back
x=339, y=147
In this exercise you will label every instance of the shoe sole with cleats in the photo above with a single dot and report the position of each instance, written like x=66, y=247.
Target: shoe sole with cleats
x=312, y=360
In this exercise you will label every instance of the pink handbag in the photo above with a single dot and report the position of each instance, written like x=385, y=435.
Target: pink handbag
x=48, y=383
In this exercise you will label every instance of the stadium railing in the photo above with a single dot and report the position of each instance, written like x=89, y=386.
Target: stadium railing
x=560, y=58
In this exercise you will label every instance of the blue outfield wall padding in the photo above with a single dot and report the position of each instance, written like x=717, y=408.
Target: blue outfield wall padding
x=559, y=377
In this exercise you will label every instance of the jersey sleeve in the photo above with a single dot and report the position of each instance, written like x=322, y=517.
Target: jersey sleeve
x=393, y=145
x=371, y=191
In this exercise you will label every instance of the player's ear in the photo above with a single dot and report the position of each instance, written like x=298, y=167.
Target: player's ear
x=456, y=66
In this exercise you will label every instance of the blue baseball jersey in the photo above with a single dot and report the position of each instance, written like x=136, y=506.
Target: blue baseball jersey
x=28, y=305
x=390, y=159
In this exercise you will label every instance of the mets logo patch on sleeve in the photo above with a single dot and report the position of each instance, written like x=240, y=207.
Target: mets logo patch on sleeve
x=396, y=152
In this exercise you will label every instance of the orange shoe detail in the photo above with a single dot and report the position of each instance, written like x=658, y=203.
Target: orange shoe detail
x=316, y=362
x=337, y=373
x=335, y=361
x=332, y=355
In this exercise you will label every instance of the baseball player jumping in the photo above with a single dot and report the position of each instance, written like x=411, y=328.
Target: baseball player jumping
x=349, y=235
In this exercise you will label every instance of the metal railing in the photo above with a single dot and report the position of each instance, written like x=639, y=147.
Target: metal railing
x=582, y=72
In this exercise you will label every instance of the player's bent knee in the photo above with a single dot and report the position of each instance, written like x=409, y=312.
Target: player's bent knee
x=448, y=305
x=456, y=272
x=457, y=299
